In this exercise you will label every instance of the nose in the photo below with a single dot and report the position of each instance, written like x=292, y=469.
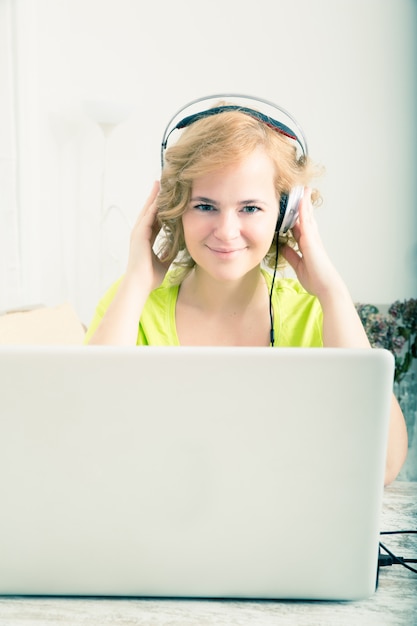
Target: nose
x=227, y=226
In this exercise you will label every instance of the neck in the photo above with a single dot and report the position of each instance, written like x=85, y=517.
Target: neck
x=202, y=291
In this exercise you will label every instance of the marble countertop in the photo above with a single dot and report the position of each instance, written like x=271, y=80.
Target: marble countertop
x=394, y=603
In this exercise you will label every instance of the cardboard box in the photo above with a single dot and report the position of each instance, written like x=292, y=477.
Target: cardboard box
x=43, y=326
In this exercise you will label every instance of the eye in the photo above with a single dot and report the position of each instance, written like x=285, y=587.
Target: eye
x=250, y=209
x=204, y=208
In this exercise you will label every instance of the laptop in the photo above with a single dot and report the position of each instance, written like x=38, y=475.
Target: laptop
x=192, y=472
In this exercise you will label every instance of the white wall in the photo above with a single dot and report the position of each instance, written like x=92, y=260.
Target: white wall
x=345, y=70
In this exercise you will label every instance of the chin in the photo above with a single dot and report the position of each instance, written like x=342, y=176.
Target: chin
x=228, y=275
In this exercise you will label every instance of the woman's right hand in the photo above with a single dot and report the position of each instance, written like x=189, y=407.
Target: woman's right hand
x=144, y=272
x=143, y=263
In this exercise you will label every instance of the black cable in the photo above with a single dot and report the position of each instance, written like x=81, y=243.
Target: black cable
x=398, y=560
x=390, y=558
x=398, y=532
x=271, y=311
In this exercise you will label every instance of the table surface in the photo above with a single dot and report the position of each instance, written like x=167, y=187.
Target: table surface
x=394, y=603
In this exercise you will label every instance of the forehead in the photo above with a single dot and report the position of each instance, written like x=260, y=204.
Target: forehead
x=257, y=166
x=248, y=180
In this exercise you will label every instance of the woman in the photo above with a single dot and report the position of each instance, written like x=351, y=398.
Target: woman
x=220, y=207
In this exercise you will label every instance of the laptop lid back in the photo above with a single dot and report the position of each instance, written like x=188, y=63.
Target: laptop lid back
x=192, y=472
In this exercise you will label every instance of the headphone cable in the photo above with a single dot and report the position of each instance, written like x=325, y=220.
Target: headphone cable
x=271, y=311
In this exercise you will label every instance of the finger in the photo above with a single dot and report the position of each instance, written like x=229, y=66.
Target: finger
x=147, y=214
x=296, y=231
x=306, y=206
x=306, y=226
x=149, y=204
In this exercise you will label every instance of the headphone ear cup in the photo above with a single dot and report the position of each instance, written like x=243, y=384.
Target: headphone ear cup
x=288, y=209
x=283, y=203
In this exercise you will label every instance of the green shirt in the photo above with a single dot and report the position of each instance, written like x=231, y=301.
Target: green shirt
x=297, y=315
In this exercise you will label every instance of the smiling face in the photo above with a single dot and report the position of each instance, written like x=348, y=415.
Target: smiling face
x=230, y=221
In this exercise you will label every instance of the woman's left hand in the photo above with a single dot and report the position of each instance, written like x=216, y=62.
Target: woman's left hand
x=310, y=261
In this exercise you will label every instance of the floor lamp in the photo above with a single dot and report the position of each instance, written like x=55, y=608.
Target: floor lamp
x=108, y=115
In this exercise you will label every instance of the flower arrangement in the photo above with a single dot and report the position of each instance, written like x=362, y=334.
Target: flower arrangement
x=395, y=330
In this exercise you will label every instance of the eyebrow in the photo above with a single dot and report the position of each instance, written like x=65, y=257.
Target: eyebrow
x=203, y=199
x=251, y=201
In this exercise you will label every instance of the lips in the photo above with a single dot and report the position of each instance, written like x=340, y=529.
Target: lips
x=225, y=250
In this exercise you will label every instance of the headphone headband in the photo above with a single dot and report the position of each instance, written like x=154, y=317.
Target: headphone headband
x=178, y=121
